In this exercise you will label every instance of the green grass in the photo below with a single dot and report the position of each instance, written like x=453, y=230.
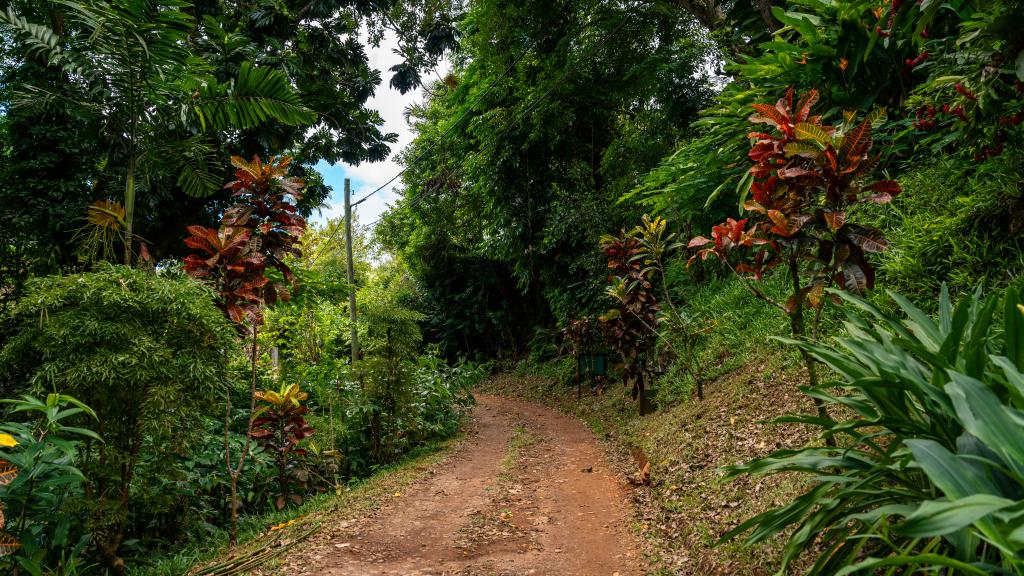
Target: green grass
x=735, y=329
x=521, y=440
x=357, y=498
x=955, y=222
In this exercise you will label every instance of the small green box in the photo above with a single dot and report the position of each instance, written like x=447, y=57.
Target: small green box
x=591, y=365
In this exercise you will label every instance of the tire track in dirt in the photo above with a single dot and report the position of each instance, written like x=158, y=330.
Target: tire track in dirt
x=528, y=493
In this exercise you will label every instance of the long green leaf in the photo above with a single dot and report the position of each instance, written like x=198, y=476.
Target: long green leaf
x=871, y=564
x=938, y=518
x=1013, y=324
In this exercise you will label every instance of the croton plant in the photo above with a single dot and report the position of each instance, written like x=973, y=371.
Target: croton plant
x=631, y=327
x=806, y=177
x=259, y=231
x=280, y=425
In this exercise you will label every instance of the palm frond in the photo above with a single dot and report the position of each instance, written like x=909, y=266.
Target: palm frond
x=40, y=40
x=258, y=95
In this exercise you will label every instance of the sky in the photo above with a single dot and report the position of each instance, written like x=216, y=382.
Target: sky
x=368, y=176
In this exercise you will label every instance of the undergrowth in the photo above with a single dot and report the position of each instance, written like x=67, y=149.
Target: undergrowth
x=356, y=498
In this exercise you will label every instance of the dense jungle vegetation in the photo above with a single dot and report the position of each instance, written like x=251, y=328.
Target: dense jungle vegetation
x=831, y=191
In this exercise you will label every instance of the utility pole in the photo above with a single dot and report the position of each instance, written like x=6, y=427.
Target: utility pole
x=351, y=273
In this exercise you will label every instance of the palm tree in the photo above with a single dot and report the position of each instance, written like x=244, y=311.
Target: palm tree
x=128, y=61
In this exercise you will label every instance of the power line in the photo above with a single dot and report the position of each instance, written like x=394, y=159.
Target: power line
x=519, y=117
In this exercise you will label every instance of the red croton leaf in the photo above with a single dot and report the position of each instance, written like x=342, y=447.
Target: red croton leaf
x=735, y=228
x=796, y=172
x=768, y=114
x=853, y=278
x=869, y=241
x=886, y=191
x=761, y=151
x=807, y=101
x=204, y=239
x=784, y=226
x=857, y=141
x=8, y=472
x=835, y=220
x=754, y=206
x=8, y=544
x=815, y=294
x=236, y=313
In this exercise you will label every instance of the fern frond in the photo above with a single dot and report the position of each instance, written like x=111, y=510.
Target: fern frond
x=40, y=40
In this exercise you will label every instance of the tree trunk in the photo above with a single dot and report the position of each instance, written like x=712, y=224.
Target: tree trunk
x=235, y=472
x=282, y=476
x=129, y=211
x=765, y=8
x=798, y=331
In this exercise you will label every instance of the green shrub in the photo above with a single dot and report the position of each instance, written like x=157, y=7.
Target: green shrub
x=148, y=354
x=37, y=477
x=931, y=410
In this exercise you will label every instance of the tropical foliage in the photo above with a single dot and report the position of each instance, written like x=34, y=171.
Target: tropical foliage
x=928, y=473
x=832, y=151
x=37, y=477
x=279, y=426
x=130, y=344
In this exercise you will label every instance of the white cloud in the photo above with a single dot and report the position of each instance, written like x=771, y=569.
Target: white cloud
x=368, y=176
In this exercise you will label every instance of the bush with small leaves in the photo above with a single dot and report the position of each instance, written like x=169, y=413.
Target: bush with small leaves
x=146, y=352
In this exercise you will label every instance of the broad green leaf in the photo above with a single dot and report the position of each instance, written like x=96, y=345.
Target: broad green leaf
x=925, y=326
x=1014, y=378
x=986, y=417
x=955, y=478
x=938, y=518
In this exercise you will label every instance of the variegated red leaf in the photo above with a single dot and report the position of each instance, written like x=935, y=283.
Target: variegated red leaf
x=890, y=187
x=761, y=150
x=768, y=114
x=871, y=241
x=8, y=472
x=835, y=220
x=807, y=101
x=8, y=544
x=856, y=140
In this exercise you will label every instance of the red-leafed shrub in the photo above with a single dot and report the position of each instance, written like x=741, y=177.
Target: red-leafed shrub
x=806, y=177
x=259, y=231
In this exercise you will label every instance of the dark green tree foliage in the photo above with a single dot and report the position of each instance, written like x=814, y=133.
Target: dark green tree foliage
x=316, y=44
x=47, y=165
x=520, y=190
x=147, y=353
x=831, y=46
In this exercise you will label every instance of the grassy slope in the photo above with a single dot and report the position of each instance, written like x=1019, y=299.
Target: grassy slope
x=355, y=501
x=690, y=503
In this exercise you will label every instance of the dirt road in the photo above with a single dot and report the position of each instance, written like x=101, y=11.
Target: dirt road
x=529, y=492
